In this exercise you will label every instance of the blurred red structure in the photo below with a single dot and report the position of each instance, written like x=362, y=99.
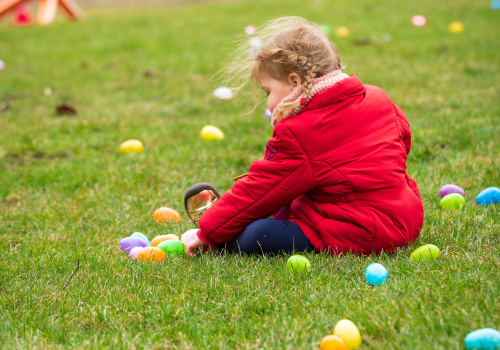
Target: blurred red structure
x=46, y=10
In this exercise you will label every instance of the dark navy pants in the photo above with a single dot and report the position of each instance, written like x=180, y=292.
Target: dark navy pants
x=269, y=236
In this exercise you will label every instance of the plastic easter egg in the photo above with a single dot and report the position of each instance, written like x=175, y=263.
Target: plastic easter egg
x=386, y=37
x=332, y=342
x=376, y=274
x=349, y=333
x=132, y=146
x=426, y=252
x=249, y=30
x=483, y=339
x=418, y=21
x=255, y=42
x=267, y=114
x=495, y=4
x=325, y=29
x=456, y=27
x=223, y=93
x=165, y=214
x=449, y=189
x=126, y=244
x=211, y=133
x=134, y=252
x=298, y=263
x=158, y=239
x=452, y=201
x=142, y=236
x=188, y=236
x=151, y=254
x=491, y=195
x=173, y=247
x=342, y=32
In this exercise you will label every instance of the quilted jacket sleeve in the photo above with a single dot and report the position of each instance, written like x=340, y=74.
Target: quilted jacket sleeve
x=284, y=174
x=405, y=128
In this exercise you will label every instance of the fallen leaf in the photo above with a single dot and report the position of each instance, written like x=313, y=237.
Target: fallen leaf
x=65, y=109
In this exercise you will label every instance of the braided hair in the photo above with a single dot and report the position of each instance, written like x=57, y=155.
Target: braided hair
x=300, y=48
x=290, y=45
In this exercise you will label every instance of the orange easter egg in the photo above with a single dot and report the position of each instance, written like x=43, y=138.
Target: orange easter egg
x=332, y=342
x=151, y=254
x=158, y=239
x=165, y=214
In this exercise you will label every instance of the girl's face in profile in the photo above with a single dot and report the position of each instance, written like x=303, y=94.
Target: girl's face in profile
x=275, y=89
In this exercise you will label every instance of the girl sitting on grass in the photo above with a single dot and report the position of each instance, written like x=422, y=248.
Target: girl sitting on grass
x=337, y=157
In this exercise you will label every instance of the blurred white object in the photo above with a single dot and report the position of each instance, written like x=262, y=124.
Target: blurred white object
x=255, y=46
x=223, y=93
x=255, y=42
x=47, y=91
x=2, y=65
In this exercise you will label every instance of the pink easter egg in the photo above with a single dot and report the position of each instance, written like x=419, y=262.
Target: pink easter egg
x=250, y=30
x=418, y=21
x=188, y=236
x=134, y=252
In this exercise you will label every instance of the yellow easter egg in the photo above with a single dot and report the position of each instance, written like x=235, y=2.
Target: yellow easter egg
x=456, y=27
x=342, y=32
x=151, y=254
x=210, y=133
x=425, y=252
x=157, y=240
x=132, y=146
x=349, y=333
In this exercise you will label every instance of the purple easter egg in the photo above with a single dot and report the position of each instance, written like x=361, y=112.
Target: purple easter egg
x=449, y=188
x=268, y=114
x=128, y=243
x=134, y=252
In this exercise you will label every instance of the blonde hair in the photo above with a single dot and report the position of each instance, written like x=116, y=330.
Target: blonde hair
x=289, y=45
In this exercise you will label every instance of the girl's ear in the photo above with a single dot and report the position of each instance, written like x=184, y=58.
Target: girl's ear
x=294, y=80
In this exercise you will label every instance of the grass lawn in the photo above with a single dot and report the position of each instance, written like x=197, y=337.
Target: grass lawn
x=67, y=193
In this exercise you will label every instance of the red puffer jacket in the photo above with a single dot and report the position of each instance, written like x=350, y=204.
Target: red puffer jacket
x=341, y=163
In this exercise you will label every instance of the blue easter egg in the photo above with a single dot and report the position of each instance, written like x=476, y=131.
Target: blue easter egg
x=142, y=236
x=491, y=195
x=483, y=339
x=495, y=4
x=376, y=274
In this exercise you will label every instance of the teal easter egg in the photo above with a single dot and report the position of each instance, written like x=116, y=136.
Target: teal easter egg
x=298, y=263
x=491, y=195
x=452, y=201
x=142, y=236
x=483, y=339
x=376, y=274
x=425, y=252
x=173, y=247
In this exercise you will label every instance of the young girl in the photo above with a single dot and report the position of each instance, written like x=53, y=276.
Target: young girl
x=337, y=157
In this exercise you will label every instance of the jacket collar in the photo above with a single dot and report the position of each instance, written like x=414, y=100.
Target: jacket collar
x=343, y=89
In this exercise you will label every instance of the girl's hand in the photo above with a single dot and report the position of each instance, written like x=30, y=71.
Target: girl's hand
x=195, y=244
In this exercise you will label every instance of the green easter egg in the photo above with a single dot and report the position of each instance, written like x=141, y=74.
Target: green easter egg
x=173, y=247
x=425, y=252
x=452, y=201
x=298, y=263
